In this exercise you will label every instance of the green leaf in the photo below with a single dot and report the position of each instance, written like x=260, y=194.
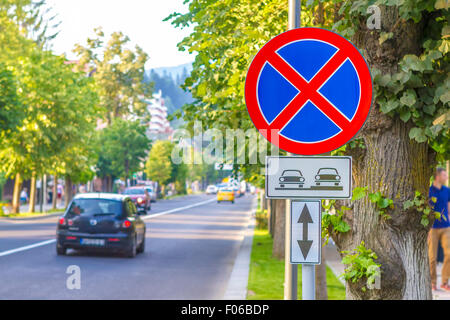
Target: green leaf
x=359, y=193
x=408, y=204
x=389, y=106
x=408, y=98
x=417, y=134
x=384, y=36
x=405, y=115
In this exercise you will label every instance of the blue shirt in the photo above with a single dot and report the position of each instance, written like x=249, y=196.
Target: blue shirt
x=443, y=197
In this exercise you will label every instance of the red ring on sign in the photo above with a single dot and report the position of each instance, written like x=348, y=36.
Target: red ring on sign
x=345, y=49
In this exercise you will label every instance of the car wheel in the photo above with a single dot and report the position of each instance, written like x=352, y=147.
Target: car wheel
x=61, y=251
x=232, y=202
x=218, y=201
x=132, y=250
x=141, y=247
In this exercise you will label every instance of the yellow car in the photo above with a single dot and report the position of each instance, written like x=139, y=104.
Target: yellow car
x=225, y=195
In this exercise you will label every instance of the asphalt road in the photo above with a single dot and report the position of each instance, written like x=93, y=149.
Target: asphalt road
x=191, y=245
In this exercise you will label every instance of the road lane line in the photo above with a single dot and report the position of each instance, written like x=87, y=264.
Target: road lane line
x=177, y=209
x=32, y=246
x=47, y=242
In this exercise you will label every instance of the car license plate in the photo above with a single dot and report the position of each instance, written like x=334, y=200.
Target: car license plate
x=93, y=242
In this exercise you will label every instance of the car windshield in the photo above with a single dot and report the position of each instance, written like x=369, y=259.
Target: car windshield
x=134, y=191
x=294, y=173
x=226, y=190
x=86, y=207
x=327, y=171
x=149, y=189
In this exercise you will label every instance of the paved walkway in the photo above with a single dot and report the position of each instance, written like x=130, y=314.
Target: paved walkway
x=334, y=263
x=237, y=285
x=46, y=207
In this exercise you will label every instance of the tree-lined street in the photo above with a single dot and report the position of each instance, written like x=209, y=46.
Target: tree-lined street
x=189, y=254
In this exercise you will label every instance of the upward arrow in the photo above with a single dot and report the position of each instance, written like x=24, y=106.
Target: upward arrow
x=305, y=219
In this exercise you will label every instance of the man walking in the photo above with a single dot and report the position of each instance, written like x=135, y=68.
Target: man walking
x=441, y=228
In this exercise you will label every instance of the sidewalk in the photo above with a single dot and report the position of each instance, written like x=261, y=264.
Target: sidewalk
x=237, y=285
x=334, y=262
x=46, y=207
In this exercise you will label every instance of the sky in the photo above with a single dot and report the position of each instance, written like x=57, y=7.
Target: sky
x=140, y=20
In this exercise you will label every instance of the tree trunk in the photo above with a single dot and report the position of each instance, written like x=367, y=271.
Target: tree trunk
x=16, y=194
x=68, y=193
x=32, y=205
x=321, y=278
x=280, y=218
x=319, y=14
x=396, y=166
x=55, y=191
x=127, y=172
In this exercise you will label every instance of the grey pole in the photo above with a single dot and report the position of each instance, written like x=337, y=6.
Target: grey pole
x=308, y=282
x=294, y=14
x=290, y=270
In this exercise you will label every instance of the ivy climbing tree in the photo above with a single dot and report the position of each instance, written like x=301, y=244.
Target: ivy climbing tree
x=380, y=232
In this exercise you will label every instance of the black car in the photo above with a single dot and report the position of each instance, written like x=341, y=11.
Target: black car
x=103, y=222
x=292, y=177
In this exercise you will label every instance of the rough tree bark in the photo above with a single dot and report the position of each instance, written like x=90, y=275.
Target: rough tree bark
x=32, y=205
x=396, y=166
x=68, y=194
x=16, y=194
x=321, y=278
x=280, y=218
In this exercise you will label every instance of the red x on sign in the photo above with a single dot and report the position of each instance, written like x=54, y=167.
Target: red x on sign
x=308, y=91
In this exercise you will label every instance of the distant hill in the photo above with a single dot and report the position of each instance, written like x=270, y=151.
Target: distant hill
x=169, y=81
x=175, y=71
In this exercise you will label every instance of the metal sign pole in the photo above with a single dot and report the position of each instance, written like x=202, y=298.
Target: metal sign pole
x=290, y=270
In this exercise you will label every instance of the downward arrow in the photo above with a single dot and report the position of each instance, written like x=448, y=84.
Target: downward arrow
x=305, y=244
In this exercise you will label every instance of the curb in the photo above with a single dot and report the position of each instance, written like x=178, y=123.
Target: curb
x=237, y=285
x=32, y=218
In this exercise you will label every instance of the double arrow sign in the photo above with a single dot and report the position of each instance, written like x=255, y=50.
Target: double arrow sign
x=305, y=219
x=305, y=232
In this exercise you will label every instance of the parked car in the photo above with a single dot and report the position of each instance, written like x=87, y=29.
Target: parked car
x=141, y=198
x=102, y=222
x=225, y=194
x=292, y=177
x=328, y=176
x=211, y=189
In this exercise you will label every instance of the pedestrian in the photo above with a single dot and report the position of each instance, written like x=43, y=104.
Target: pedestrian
x=60, y=191
x=440, y=231
x=24, y=196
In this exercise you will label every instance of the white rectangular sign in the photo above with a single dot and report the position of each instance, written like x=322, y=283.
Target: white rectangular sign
x=306, y=222
x=297, y=177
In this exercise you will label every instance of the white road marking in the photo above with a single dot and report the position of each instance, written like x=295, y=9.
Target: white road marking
x=47, y=242
x=177, y=209
x=32, y=246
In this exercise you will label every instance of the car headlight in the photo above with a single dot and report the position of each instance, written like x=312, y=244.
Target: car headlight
x=317, y=177
x=302, y=179
x=338, y=177
x=140, y=200
x=281, y=179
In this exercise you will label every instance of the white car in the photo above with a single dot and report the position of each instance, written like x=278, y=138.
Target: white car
x=211, y=189
x=152, y=193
